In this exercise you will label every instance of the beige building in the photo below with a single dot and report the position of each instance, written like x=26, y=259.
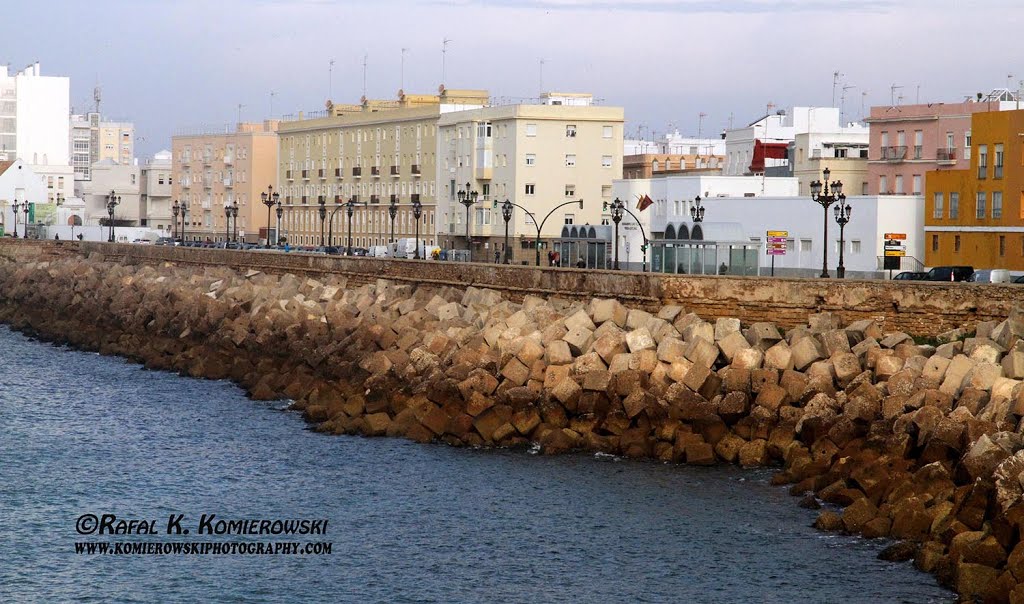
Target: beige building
x=214, y=170
x=845, y=155
x=108, y=177
x=93, y=140
x=370, y=153
x=649, y=165
x=537, y=156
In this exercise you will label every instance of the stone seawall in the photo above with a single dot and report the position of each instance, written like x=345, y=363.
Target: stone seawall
x=917, y=443
x=923, y=309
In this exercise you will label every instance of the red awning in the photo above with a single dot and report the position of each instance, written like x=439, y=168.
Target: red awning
x=766, y=150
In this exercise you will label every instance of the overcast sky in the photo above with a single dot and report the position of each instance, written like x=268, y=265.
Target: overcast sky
x=173, y=64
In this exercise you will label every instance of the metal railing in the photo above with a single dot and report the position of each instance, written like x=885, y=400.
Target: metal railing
x=898, y=153
x=945, y=154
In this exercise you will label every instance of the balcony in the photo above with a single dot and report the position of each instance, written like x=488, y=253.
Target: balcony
x=945, y=156
x=394, y=170
x=229, y=159
x=415, y=197
x=321, y=173
x=375, y=171
x=416, y=170
x=288, y=175
x=374, y=198
x=484, y=172
x=305, y=174
x=357, y=171
x=894, y=154
x=304, y=200
x=207, y=158
x=229, y=182
x=337, y=172
x=338, y=199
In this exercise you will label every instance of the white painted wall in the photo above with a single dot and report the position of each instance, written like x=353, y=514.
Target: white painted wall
x=19, y=182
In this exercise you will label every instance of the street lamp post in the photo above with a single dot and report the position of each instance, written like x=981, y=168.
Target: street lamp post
x=323, y=217
x=269, y=198
x=539, y=225
x=825, y=194
x=234, y=215
x=184, y=211
x=280, y=212
x=113, y=201
x=392, y=212
x=417, y=210
x=467, y=198
x=617, y=207
x=350, y=209
x=506, y=214
x=622, y=208
x=175, y=209
x=842, y=217
x=16, y=207
x=227, y=223
x=697, y=210
x=330, y=221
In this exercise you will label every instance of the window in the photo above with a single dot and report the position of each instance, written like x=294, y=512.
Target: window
x=805, y=245
x=967, y=145
x=954, y=206
x=883, y=185
x=606, y=190
x=855, y=246
x=133, y=179
x=570, y=190
x=570, y=131
x=935, y=243
x=606, y=161
x=864, y=188
x=531, y=130
x=899, y=184
x=531, y=189
x=569, y=218
x=917, y=184
x=980, y=207
x=956, y=243
x=950, y=140
x=918, y=143
x=606, y=132
x=885, y=138
x=901, y=138
x=939, y=206
x=570, y=160
x=982, y=161
x=997, y=204
x=531, y=159
x=998, y=166
x=1002, y=245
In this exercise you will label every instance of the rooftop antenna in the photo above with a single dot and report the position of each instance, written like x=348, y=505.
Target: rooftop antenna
x=731, y=119
x=835, y=82
x=402, y=80
x=842, y=103
x=700, y=123
x=96, y=94
x=272, y=94
x=541, y=89
x=330, y=79
x=444, y=59
x=365, y=57
x=240, y=112
x=892, y=94
x=1009, y=80
x=863, y=99
x=917, y=95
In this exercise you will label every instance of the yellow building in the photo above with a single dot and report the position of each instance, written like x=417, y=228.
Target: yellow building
x=976, y=216
x=214, y=170
x=370, y=153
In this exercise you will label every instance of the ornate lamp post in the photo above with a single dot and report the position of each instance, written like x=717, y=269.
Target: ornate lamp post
x=280, y=212
x=617, y=208
x=697, y=210
x=323, y=217
x=825, y=195
x=392, y=212
x=234, y=215
x=350, y=209
x=330, y=222
x=842, y=217
x=227, y=223
x=113, y=201
x=269, y=198
x=417, y=210
x=467, y=198
x=24, y=210
x=16, y=207
x=175, y=209
x=184, y=211
x=506, y=214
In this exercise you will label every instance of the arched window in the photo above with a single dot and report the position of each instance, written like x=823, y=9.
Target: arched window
x=654, y=166
x=684, y=231
x=670, y=232
x=698, y=233
x=592, y=233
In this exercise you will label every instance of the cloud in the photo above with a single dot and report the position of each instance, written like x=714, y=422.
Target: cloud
x=687, y=6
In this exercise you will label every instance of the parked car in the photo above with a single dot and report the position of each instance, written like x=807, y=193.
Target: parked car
x=165, y=241
x=996, y=275
x=1019, y=280
x=910, y=276
x=950, y=273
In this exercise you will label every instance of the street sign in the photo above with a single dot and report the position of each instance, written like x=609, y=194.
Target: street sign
x=778, y=233
x=895, y=253
x=901, y=236
x=781, y=252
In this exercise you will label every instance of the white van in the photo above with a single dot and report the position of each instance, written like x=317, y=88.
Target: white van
x=995, y=275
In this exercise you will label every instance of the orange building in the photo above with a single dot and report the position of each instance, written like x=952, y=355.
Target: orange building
x=976, y=216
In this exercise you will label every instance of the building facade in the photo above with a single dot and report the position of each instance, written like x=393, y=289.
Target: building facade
x=975, y=215
x=845, y=154
x=123, y=181
x=372, y=154
x=34, y=126
x=908, y=141
x=156, y=193
x=18, y=183
x=93, y=140
x=647, y=165
x=213, y=170
x=537, y=156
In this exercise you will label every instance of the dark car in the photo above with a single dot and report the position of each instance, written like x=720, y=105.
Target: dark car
x=950, y=273
x=1019, y=280
x=910, y=276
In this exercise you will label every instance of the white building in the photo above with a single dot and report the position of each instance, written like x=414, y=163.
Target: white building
x=675, y=144
x=755, y=149
x=743, y=220
x=155, y=193
x=19, y=183
x=34, y=126
x=123, y=182
x=93, y=139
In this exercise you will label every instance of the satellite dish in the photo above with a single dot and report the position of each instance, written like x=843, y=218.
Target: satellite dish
x=440, y=89
x=362, y=99
x=401, y=93
x=329, y=104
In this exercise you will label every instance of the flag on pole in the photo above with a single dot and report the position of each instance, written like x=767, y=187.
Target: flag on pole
x=643, y=203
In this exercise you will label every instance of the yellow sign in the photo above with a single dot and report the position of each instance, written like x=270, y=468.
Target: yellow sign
x=894, y=253
x=778, y=233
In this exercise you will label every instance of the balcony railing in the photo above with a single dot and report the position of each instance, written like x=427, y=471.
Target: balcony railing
x=337, y=172
x=374, y=198
x=394, y=170
x=288, y=175
x=228, y=182
x=305, y=174
x=321, y=172
x=894, y=153
x=338, y=199
x=945, y=155
x=357, y=171
x=414, y=197
x=304, y=200
x=375, y=170
x=997, y=172
x=415, y=169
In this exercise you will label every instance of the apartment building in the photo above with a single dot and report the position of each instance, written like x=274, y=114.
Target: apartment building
x=845, y=154
x=211, y=170
x=374, y=154
x=155, y=189
x=564, y=149
x=93, y=139
x=908, y=141
x=974, y=215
